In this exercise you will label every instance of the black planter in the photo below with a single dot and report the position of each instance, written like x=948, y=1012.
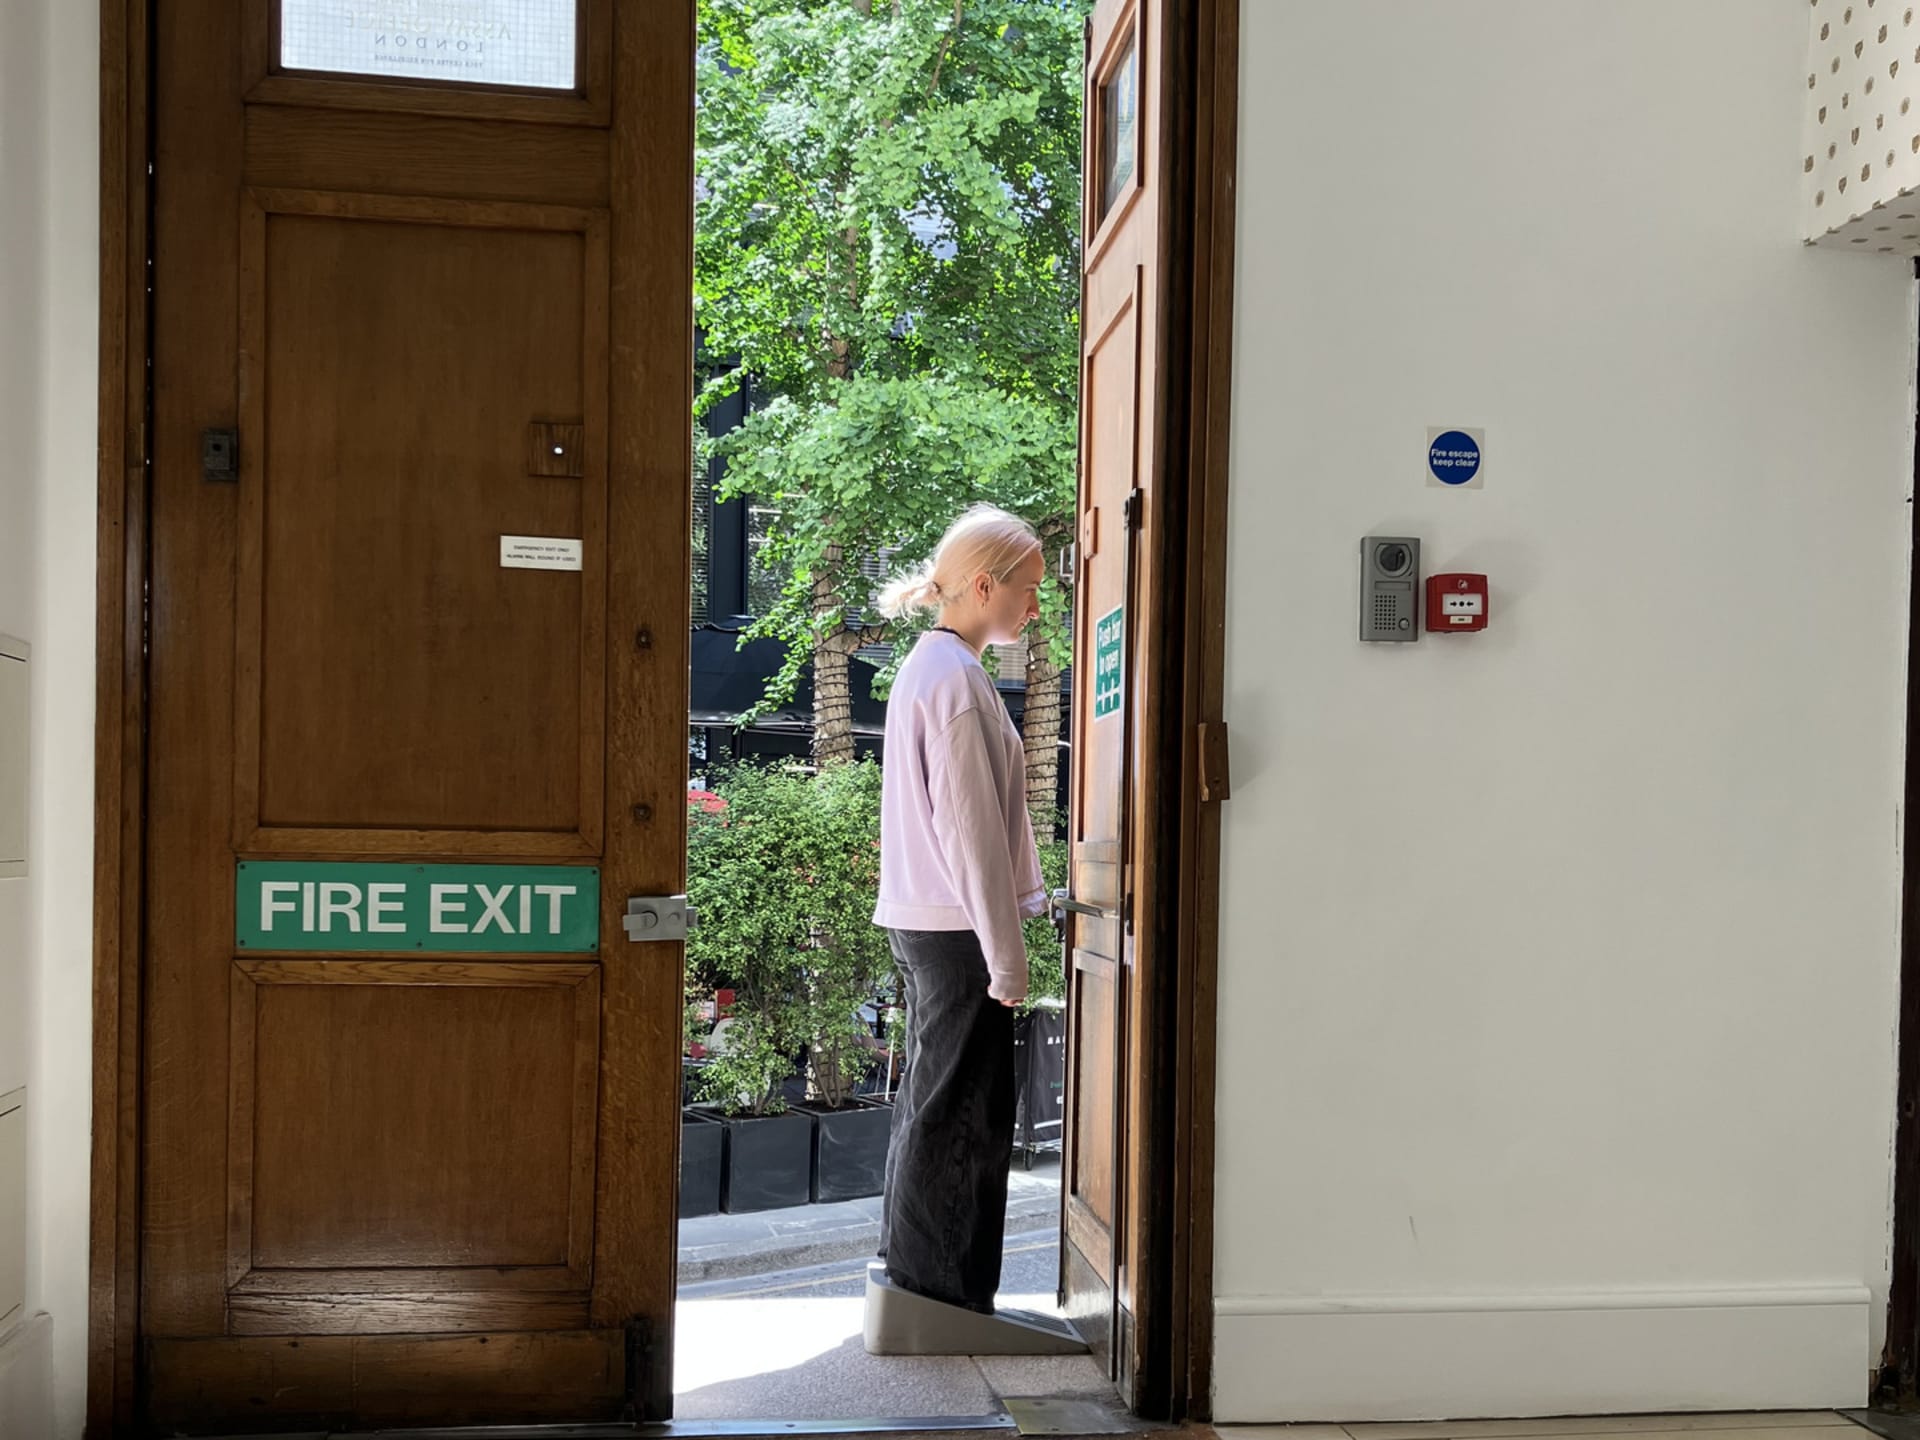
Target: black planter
x=703, y=1152
x=1040, y=1071
x=769, y=1162
x=849, y=1149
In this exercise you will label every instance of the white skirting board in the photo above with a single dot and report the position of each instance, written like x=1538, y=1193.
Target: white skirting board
x=1280, y=1359
x=26, y=1379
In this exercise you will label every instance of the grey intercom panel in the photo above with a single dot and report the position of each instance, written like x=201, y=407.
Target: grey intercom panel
x=1389, y=588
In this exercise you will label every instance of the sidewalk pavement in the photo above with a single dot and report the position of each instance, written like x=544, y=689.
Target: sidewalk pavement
x=725, y=1247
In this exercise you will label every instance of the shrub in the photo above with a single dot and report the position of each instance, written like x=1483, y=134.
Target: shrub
x=784, y=873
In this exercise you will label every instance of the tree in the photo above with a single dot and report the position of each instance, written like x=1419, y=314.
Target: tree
x=886, y=240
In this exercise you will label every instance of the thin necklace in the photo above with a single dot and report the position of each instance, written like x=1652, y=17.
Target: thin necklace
x=949, y=630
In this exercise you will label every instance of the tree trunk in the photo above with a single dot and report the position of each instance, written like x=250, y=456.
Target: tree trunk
x=1042, y=736
x=832, y=673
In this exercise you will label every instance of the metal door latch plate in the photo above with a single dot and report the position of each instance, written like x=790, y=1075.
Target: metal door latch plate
x=658, y=917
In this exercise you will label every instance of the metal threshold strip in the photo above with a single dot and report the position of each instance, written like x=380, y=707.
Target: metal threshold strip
x=671, y=1430
x=1052, y=1417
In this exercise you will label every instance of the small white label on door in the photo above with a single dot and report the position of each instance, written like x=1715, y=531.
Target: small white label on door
x=535, y=552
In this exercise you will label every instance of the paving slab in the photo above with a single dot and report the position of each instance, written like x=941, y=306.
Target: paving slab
x=725, y=1247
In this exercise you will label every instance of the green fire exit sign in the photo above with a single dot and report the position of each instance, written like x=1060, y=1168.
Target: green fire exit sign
x=1109, y=662
x=462, y=909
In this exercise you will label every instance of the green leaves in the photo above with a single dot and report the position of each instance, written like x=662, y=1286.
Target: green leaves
x=1046, y=964
x=886, y=239
x=888, y=467
x=785, y=879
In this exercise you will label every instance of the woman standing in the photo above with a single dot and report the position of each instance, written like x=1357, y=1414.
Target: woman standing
x=959, y=875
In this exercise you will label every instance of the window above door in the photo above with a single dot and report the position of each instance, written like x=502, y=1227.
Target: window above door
x=524, y=44
x=528, y=60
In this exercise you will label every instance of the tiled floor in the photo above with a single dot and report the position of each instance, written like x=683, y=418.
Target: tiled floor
x=1770, y=1425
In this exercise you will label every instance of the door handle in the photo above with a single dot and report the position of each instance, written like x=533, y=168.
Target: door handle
x=1064, y=904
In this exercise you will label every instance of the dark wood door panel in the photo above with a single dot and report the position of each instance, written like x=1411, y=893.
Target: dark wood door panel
x=395, y=154
x=340, y=1382
x=395, y=675
x=408, y=1116
x=1089, y=1172
x=407, y=1312
x=1086, y=1236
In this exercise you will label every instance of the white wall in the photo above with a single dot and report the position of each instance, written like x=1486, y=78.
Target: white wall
x=24, y=1355
x=63, y=1062
x=1558, y=1063
x=49, y=235
x=23, y=123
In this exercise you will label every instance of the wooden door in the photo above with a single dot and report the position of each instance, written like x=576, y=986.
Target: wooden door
x=1109, y=1193
x=421, y=373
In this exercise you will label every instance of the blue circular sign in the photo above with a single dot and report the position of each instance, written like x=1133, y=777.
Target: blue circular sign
x=1454, y=458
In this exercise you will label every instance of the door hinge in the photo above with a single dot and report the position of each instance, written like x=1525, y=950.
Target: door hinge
x=1136, y=508
x=649, y=1388
x=1216, y=773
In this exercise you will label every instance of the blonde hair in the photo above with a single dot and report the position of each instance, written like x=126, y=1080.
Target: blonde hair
x=984, y=541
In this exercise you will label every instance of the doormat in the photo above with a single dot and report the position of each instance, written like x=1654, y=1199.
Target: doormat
x=1888, y=1424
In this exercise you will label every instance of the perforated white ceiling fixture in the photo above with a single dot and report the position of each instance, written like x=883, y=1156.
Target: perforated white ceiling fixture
x=1860, y=166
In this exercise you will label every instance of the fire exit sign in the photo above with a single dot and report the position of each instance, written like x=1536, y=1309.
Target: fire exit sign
x=312, y=905
x=1109, y=662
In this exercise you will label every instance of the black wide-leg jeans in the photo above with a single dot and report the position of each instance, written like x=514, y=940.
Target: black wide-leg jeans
x=944, y=1212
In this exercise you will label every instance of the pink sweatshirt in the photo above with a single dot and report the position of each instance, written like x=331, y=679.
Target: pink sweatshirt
x=956, y=843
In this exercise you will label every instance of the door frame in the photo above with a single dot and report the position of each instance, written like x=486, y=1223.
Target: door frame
x=1204, y=168
x=1199, y=140
x=1898, y=1377
x=120, y=692
x=1202, y=122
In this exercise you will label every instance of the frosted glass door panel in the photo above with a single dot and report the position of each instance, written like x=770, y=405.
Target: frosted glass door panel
x=525, y=43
